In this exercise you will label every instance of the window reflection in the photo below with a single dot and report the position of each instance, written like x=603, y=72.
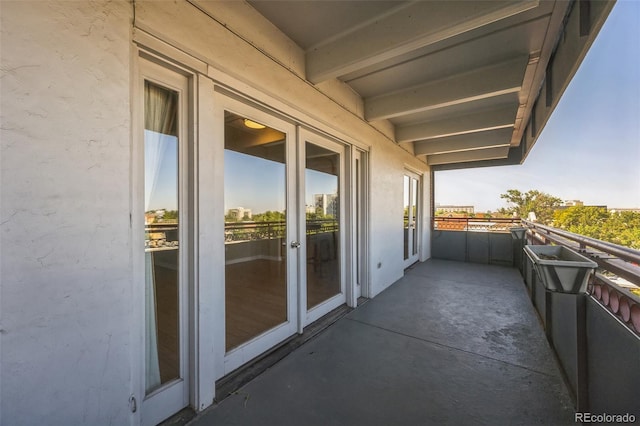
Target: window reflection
x=414, y=213
x=255, y=229
x=161, y=236
x=322, y=176
x=406, y=189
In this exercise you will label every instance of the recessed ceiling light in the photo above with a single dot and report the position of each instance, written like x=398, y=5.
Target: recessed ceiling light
x=253, y=125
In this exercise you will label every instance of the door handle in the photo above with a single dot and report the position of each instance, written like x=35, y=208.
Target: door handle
x=295, y=244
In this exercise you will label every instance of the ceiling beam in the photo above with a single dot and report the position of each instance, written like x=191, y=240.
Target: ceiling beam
x=414, y=26
x=475, y=85
x=484, y=120
x=467, y=156
x=466, y=142
x=514, y=157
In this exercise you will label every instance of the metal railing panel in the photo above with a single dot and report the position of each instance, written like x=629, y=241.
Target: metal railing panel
x=613, y=362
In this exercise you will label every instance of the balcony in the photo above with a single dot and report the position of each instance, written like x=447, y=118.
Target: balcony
x=451, y=342
x=458, y=342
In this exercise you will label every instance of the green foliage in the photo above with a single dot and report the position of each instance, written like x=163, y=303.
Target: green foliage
x=318, y=215
x=269, y=216
x=540, y=203
x=621, y=228
x=583, y=220
x=170, y=215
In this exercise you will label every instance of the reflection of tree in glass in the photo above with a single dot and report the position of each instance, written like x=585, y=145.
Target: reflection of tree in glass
x=161, y=216
x=318, y=215
x=268, y=216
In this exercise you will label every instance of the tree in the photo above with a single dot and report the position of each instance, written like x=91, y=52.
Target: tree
x=540, y=203
x=583, y=220
x=622, y=228
x=269, y=216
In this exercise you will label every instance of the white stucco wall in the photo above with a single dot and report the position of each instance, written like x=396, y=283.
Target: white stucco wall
x=65, y=239
x=386, y=215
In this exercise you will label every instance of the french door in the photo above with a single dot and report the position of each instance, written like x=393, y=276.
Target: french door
x=322, y=218
x=261, y=232
x=411, y=197
x=358, y=230
x=284, y=232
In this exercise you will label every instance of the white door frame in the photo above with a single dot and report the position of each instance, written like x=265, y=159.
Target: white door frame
x=259, y=344
x=414, y=221
x=359, y=227
x=175, y=395
x=309, y=316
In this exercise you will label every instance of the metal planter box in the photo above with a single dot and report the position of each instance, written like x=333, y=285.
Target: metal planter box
x=560, y=268
x=517, y=233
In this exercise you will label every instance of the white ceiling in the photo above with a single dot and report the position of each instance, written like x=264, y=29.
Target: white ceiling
x=458, y=79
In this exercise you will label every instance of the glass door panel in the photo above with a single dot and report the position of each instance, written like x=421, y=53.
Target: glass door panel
x=411, y=197
x=414, y=213
x=322, y=215
x=255, y=194
x=162, y=237
x=163, y=152
x=358, y=225
x=407, y=195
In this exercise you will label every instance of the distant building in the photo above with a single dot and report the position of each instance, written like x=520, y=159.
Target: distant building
x=327, y=204
x=240, y=213
x=575, y=203
x=624, y=209
x=455, y=209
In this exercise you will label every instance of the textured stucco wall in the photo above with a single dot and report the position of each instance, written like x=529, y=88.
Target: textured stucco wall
x=64, y=213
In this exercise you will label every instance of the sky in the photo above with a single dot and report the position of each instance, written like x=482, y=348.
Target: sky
x=250, y=182
x=161, y=171
x=589, y=149
x=258, y=184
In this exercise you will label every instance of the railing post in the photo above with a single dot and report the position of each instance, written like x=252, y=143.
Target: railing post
x=548, y=317
x=582, y=379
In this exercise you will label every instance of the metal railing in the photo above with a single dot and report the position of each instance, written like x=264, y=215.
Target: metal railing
x=483, y=224
x=161, y=237
x=164, y=236
x=616, y=284
x=252, y=231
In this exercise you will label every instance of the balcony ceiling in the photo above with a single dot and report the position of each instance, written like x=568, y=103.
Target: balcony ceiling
x=458, y=80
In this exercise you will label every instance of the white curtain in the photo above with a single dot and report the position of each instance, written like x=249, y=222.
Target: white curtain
x=160, y=120
x=152, y=372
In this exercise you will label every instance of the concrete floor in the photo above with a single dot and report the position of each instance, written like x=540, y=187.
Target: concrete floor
x=450, y=343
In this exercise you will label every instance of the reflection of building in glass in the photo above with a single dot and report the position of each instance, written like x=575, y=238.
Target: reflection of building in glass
x=327, y=204
x=240, y=213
